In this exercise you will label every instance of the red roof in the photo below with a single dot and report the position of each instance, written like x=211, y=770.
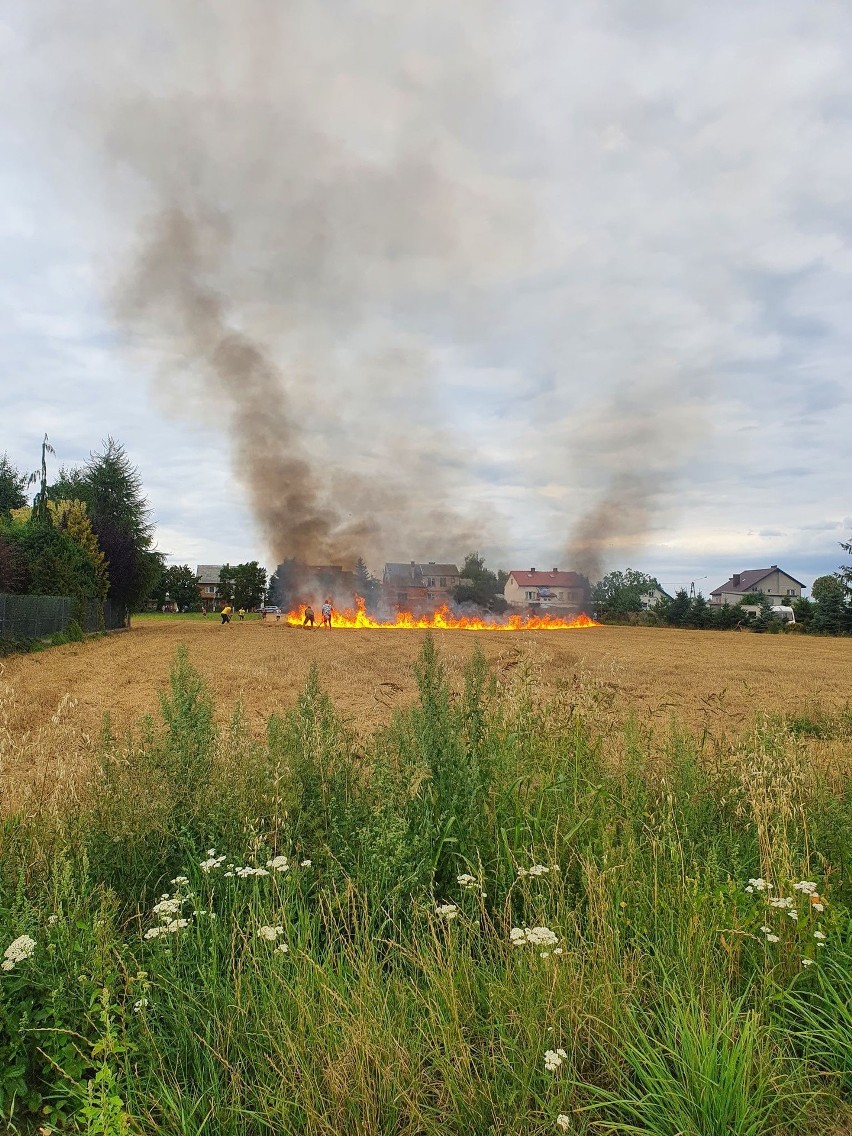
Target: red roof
x=554, y=579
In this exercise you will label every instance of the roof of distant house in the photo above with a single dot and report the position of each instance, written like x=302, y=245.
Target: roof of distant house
x=432, y=569
x=554, y=578
x=749, y=580
x=410, y=573
x=208, y=573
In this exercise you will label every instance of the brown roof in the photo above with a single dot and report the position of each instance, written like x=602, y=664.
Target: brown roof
x=439, y=569
x=750, y=579
x=555, y=578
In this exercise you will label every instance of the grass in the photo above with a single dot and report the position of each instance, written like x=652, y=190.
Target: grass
x=394, y=866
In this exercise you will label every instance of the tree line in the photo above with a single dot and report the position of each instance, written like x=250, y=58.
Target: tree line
x=88, y=533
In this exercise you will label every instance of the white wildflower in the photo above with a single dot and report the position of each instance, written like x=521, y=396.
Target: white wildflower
x=52, y=920
x=180, y=881
x=557, y=951
x=278, y=864
x=19, y=950
x=794, y=915
x=212, y=862
x=817, y=907
x=167, y=908
x=807, y=962
x=819, y=935
x=772, y=938
x=447, y=910
x=805, y=886
x=166, y=928
x=781, y=901
x=538, y=870
x=270, y=933
x=535, y=936
x=305, y=863
x=553, y=1058
x=563, y=1121
x=467, y=881
x=140, y=1005
x=243, y=873
x=283, y=948
x=766, y=930
x=757, y=885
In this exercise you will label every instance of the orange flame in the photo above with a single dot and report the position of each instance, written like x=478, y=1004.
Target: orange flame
x=442, y=620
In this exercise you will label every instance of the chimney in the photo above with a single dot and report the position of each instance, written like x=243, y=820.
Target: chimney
x=554, y=571
x=736, y=578
x=412, y=563
x=532, y=569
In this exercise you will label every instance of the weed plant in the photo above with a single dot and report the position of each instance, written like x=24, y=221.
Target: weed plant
x=491, y=917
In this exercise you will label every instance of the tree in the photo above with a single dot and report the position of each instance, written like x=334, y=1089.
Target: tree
x=803, y=610
x=844, y=572
x=620, y=593
x=12, y=487
x=120, y=517
x=831, y=615
x=700, y=613
x=243, y=585
x=367, y=586
x=177, y=584
x=676, y=611
x=485, y=588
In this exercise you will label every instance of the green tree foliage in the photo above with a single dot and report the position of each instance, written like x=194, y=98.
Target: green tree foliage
x=111, y=487
x=620, y=593
x=700, y=613
x=367, y=586
x=803, y=610
x=486, y=587
x=55, y=565
x=243, y=585
x=177, y=584
x=13, y=485
x=844, y=572
x=832, y=615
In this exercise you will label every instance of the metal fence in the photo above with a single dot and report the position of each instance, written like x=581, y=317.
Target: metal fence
x=36, y=617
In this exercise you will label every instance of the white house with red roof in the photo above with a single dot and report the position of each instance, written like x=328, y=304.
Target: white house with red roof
x=547, y=591
x=778, y=586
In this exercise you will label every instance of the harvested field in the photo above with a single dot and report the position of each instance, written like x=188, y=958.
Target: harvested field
x=53, y=701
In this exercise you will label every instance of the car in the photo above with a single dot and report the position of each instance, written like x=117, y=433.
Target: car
x=269, y=609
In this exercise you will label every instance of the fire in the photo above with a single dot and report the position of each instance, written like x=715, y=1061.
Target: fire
x=442, y=620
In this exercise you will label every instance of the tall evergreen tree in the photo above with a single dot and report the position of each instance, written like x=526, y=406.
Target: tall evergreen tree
x=13, y=485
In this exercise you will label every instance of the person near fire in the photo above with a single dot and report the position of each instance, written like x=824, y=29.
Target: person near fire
x=326, y=611
x=226, y=614
x=309, y=617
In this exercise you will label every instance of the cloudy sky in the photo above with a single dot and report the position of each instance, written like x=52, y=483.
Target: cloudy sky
x=569, y=283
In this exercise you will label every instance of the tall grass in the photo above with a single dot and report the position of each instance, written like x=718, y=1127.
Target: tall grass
x=313, y=934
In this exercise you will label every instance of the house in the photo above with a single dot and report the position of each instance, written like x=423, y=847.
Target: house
x=552, y=591
x=778, y=586
x=208, y=583
x=418, y=587
x=653, y=597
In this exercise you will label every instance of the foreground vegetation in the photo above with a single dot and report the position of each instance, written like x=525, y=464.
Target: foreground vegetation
x=490, y=917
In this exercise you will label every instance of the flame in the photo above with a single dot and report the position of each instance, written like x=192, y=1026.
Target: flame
x=441, y=620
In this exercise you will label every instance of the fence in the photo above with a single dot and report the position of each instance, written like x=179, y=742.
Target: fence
x=36, y=617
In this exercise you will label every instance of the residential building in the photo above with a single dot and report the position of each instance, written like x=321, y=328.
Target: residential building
x=653, y=597
x=208, y=583
x=552, y=591
x=419, y=587
x=778, y=586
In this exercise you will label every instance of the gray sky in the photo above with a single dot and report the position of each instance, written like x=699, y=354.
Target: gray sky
x=516, y=274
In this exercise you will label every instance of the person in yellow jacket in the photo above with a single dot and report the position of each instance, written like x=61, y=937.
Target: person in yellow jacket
x=227, y=612
x=242, y=614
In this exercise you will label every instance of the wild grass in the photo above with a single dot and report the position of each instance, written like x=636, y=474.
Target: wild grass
x=488, y=916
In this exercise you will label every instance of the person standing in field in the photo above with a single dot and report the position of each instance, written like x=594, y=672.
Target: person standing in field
x=227, y=611
x=326, y=611
x=309, y=617
x=242, y=614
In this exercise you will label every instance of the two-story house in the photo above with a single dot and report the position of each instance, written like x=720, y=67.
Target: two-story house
x=552, y=591
x=778, y=586
x=208, y=584
x=419, y=587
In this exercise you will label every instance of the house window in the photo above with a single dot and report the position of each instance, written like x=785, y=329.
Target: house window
x=443, y=581
x=791, y=591
x=530, y=595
